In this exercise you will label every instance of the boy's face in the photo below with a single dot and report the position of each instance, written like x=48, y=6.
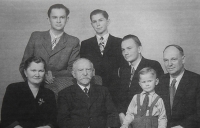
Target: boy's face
x=58, y=19
x=100, y=24
x=148, y=82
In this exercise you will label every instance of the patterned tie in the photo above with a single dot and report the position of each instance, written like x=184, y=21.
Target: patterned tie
x=101, y=45
x=86, y=91
x=172, y=90
x=132, y=74
x=54, y=43
x=145, y=104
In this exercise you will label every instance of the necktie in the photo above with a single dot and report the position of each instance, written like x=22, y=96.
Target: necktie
x=145, y=104
x=101, y=45
x=86, y=91
x=132, y=74
x=172, y=91
x=54, y=43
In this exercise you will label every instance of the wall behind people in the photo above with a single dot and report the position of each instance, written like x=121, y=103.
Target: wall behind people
x=157, y=23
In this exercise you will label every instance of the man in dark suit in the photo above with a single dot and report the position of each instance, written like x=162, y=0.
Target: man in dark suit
x=85, y=105
x=128, y=72
x=56, y=47
x=180, y=90
x=103, y=50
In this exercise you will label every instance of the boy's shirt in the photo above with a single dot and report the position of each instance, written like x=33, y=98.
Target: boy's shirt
x=158, y=109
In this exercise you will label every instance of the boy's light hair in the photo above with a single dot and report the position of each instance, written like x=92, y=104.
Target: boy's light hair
x=147, y=70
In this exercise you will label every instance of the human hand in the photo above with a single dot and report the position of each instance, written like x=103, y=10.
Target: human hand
x=49, y=79
x=124, y=126
x=121, y=118
x=177, y=126
x=47, y=126
x=18, y=126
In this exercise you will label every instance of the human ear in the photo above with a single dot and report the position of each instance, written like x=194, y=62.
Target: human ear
x=157, y=81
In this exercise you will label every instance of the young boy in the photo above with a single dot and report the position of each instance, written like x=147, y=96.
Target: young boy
x=146, y=109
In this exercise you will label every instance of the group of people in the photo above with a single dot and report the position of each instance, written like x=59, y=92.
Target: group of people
x=134, y=92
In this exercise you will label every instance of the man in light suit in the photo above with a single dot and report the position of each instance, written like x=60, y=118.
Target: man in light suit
x=103, y=50
x=85, y=105
x=181, y=97
x=56, y=47
x=128, y=72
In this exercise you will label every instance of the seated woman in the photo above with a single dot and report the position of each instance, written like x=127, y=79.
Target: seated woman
x=28, y=104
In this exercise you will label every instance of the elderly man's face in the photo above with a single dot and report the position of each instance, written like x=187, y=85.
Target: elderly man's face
x=83, y=71
x=174, y=61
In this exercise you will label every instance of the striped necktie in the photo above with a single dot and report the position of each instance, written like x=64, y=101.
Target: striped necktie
x=101, y=45
x=86, y=91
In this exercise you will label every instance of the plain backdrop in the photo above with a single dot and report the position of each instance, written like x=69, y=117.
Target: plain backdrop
x=157, y=23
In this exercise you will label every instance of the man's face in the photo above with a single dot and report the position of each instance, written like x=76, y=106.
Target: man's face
x=100, y=24
x=130, y=50
x=83, y=71
x=174, y=61
x=58, y=19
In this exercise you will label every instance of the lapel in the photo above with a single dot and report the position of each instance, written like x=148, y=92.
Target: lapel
x=93, y=93
x=47, y=42
x=61, y=44
x=79, y=94
x=108, y=44
x=165, y=92
x=48, y=46
x=95, y=46
x=181, y=89
x=140, y=66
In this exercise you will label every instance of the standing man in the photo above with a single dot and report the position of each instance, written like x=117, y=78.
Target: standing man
x=180, y=90
x=56, y=47
x=103, y=50
x=128, y=73
x=85, y=105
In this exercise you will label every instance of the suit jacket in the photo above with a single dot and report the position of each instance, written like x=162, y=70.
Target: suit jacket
x=76, y=110
x=105, y=65
x=186, y=106
x=21, y=108
x=59, y=60
x=126, y=93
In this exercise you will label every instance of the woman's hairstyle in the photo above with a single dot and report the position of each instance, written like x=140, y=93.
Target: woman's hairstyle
x=34, y=59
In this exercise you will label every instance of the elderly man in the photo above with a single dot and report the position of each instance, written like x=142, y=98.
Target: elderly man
x=180, y=90
x=128, y=73
x=84, y=104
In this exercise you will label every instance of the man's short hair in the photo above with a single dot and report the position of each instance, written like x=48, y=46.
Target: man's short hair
x=99, y=11
x=133, y=37
x=58, y=6
x=147, y=70
x=176, y=46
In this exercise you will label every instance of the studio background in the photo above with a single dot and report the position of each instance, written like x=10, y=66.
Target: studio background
x=157, y=23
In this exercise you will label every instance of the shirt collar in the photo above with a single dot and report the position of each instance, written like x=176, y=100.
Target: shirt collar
x=83, y=87
x=151, y=93
x=178, y=79
x=53, y=36
x=105, y=38
x=136, y=65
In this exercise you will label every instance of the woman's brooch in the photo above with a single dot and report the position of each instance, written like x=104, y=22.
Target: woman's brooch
x=41, y=101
